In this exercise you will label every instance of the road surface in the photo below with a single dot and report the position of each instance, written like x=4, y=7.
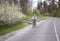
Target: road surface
x=48, y=30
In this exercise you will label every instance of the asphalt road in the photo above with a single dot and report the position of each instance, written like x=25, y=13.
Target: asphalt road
x=48, y=30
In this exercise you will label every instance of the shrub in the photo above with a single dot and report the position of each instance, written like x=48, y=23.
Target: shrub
x=29, y=12
x=56, y=13
x=9, y=14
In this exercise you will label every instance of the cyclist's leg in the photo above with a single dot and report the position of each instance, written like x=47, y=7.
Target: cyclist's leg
x=34, y=24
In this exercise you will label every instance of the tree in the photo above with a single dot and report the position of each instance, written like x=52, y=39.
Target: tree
x=42, y=6
x=59, y=3
x=45, y=6
x=39, y=6
x=53, y=7
x=24, y=6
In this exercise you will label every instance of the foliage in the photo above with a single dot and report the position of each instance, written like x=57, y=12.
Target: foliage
x=24, y=5
x=9, y=14
x=56, y=13
x=29, y=12
x=37, y=12
x=7, y=29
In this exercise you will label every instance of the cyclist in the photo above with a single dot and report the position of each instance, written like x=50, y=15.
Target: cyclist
x=34, y=19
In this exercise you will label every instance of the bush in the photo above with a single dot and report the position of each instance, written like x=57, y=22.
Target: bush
x=9, y=14
x=38, y=13
x=29, y=12
x=56, y=13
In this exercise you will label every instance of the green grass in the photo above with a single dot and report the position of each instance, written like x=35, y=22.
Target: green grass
x=7, y=29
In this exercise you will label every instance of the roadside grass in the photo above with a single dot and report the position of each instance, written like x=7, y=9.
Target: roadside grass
x=7, y=29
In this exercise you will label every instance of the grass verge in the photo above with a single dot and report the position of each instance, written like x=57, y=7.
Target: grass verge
x=7, y=29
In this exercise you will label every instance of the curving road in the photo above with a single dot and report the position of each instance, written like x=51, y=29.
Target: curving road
x=48, y=30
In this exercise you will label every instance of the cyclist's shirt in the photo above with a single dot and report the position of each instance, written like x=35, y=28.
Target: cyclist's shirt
x=34, y=19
